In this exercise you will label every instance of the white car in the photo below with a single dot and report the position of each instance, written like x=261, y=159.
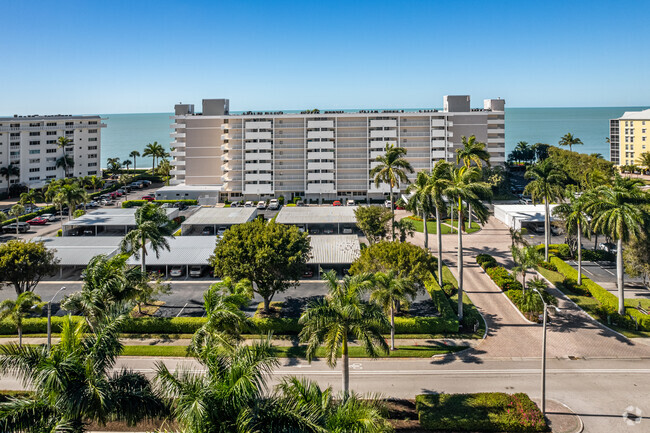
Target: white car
x=274, y=204
x=50, y=217
x=261, y=205
x=248, y=204
x=350, y=203
x=388, y=204
x=176, y=271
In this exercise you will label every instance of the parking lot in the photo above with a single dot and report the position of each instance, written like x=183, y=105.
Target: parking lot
x=604, y=274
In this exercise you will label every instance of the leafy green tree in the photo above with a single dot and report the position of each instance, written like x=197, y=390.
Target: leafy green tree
x=113, y=165
x=636, y=256
x=151, y=226
x=26, y=303
x=576, y=221
x=32, y=196
x=95, y=183
x=405, y=228
x=546, y=185
x=644, y=161
x=16, y=211
x=75, y=383
x=389, y=290
x=620, y=212
x=11, y=170
x=72, y=195
x=391, y=170
x=421, y=201
x=525, y=258
x=24, y=263
x=65, y=161
x=569, y=140
x=465, y=187
x=3, y=217
x=373, y=222
x=272, y=256
x=135, y=155
x=342, y=316
x=581, y=169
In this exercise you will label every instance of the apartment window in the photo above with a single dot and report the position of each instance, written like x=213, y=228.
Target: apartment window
x=15, y=135
x=34, y=124
x=643, y=131
x=69, y=123
x=50, y=168
x=51, y=150
x=15, y=125
x=92, y=139
x=643, y=123
x=92, y=155
x=34, y=133
x=51, y=133
x=51, y=123
x=34, y=160
x=92, y=147
x=50, y=159
x=35, y=178
x=52, y=176
x=35, y=152
x=643, y=138
x=69, y=132
x=92, y=131
x=34, y=142
x=90, y=173
x=92, y=164
x=93, y=122
x=34, y=169
x=15, y=143
x=14, y=153
x=50, y=142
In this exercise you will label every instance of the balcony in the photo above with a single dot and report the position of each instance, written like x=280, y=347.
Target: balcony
x=495, y=121
x=177, y=126
x=263, y=135
x=266, y=166
x=280, y=125
x=259, y=124
x=438, y=154
x=320, y=134
x=258, y=156
x=320, y=124
x=381, y=144
x=320, y=165
x=320, y=145
x=415, y=134
x=178, y=163
x=375, y=153
x=258, y=176
x=390, y=123
x=320, y=176
x=351, y=124
x=258, y=188
x=500, y=130
x=177, y=135
x=391, y=133
x=176, y=153
x=382, y=188
x=264, y=145
x=320, y=188
x=320, y=155
x=177, y=172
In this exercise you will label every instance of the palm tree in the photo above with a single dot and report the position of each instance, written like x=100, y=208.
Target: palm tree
x=27, y=303
x=31, y=197
x=405, y=228
x=618, y=211
x=421, y=202
x=343, y=315
x=438, y=182
x=465, y=186
x=473, y=152
x=547, y=185
x=152, y=225
x=62, y=143
x=12, y=170
x=154, y=150
x=75, y=382
x=163, y=170
x=389, y=290
x=576, y=221
x=525, y=258
x=126, y=163
x=72, y=195
x=517, y=237
x=644, y=160
x=95, y=183
x=113, y=165
x=134, y=154
x=392, y=169
x=569, y=140
x=16, y=211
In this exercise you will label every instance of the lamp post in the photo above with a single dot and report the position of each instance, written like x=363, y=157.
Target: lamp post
x=546, y=306
x=49, y=319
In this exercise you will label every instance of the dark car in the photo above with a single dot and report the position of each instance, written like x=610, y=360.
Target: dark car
x=207, y=231
x=308, y=273
x=11, y=228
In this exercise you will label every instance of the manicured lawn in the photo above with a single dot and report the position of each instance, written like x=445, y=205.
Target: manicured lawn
x=431, y=226
x=299, y=351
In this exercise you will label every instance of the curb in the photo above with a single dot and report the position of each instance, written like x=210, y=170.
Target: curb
x=505, y=296
x=582, y=424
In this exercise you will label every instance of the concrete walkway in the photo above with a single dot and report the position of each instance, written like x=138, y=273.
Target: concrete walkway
x=573, y=334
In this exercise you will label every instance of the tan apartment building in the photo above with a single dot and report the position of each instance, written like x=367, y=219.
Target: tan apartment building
x=320, y=154
x=628, y=137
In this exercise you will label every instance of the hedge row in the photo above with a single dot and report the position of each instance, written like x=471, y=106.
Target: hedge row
x=486, y=411
x=608, y=301
x=138, y=203
x=27, y=217
x=440, y=300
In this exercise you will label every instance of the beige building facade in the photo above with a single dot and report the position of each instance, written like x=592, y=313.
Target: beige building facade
x=628, y=137
x=320, y=154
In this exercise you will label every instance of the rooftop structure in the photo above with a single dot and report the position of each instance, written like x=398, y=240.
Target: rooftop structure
x=320, y=155
x=188, y=192
x=183, y=251
x=334, y=250
x=317, y=215
x=217, y=217
x=107, y=221
x=519, y=216
x=78, y=251
x=628, y=137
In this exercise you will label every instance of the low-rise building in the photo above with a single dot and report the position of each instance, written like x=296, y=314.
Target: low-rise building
x=628, y=137
x=184, y=253
x=76, y=252
x=107, y=222
x=333, y=252
x=320, y=219
x=209, y=221
x=521, y=216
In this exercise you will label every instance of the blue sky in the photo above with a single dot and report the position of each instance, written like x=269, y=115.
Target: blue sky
x=145, y=56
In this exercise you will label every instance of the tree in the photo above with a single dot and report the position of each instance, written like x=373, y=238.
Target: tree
x=72, y=196
x=95, y=183
x=16, y=211
x=618, y=211
x=126, y=163
x=391, y=170
x=517, y=237
x=164, y=168
x=473, y=152
x=576, y=221
x=27, y=303
x=421, y=202
x=388, y=291
x=62, y=143
x=405, y=228
x=32, y=196
x=465, y=187
x=151, y=225
x=272, y=256
x=644, y=160
x=135, y=155
x=438, y=183
x=373, y=222
x=341, y=316
x=12, y=170
x=569, y=140
x=525, y=258
x=154, y=150
x=636, y=256
x=3, y=217
x=541, y=151
x=113, y=165
x=580, y=168
x=75, y=382
x=547, y=185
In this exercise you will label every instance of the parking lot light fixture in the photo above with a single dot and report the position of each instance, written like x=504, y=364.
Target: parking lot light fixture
x=546, y=307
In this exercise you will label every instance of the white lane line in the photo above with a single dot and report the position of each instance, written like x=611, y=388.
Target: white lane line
x=182, y=309
x=610, y=273
x=439, y=372
x=587, y=271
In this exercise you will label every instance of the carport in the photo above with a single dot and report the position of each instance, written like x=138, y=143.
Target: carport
x=107, y=222
x=216, y=217
x=517, y=216
x=184, y=251
x=320, y=219
x=76, y=252
x=333, y=252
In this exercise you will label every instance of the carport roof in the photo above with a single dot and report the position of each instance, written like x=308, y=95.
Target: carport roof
x=183, y=250
x=221, y=215
x=112, y=217
x=77, y=251
x=317, y=215
x=524, y=213
x=334, y=249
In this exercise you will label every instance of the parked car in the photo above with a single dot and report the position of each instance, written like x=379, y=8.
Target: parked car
x=350, y=203
x=261, y=205
x=347, y=230
x=106, y=202
x=176, y=271
x=196, y=271
x=11, y=228
x=336, y=203
x=207, y=231
x=148, y=197
x=37, y=221
x=146, y=182
x=607, y=246
x=248, y=204
x=89, y=232
x=221, y=231
x=50, y=217
x=314, y=231
x=301, y=229
x=122, y=191
x=308, y=273
x=388, y=204
x=300, y=203
x=92, y=203
x=274, y=204
x=526, y=200
x=328, y=231
x=234, y=204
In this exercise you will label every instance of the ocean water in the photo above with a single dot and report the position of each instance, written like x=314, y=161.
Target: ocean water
x=127, y=132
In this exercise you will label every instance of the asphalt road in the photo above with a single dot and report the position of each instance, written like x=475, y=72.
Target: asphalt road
x=604, y=273
x=599, y=390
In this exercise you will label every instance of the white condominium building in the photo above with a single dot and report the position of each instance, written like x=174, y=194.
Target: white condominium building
x=320, y=154
x=30, y=143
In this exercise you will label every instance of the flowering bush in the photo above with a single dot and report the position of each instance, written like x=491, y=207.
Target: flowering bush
x=547, y=265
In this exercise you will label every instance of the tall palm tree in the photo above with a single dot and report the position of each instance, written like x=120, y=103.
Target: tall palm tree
x=547, y=185
x=74, y=382
x=576, y=221
x=421, y=202
x=31, y=197
x=152, y=225
x=618, y=211
x=391, y=170
x=473, y=152
x=72, y=195
x=95, y=182
x=134, y=154
x=569, y=140
x=438, y=181
x=113, y=165
x=12, y=170
x=517, y=237
x=153, y=150
x=62, y=143
x=126, y=163
x=389, y=290
x=525, y=257
x=16, y=211
x=644, y=160
x=164, y=168
x=465, y=186
x=66, y=162
x=343, y=315
x=25, y=304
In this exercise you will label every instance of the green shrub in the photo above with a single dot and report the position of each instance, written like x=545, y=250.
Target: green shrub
x=494, y=411
x=449, y=289
x=59, y=233
x=564, y=251
x=498, y=272
x=296, y=199
x=547, y=265
x=443, y=305
x=481, y=258
x=598, y=256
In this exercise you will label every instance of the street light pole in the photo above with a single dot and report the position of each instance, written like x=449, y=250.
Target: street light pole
x=546, y=306
x=49, y=319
